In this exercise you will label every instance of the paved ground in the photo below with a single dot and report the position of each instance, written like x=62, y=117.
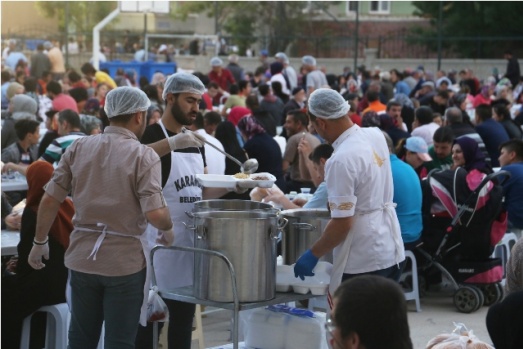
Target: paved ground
x=437, y=316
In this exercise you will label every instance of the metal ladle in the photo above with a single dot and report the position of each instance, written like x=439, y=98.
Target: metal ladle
x=248, y=167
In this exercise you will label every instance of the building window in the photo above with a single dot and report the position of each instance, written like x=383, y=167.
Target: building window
x=352, y=6
x=380, y=7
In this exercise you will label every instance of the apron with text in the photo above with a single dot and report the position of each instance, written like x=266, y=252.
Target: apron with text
x=175, y=269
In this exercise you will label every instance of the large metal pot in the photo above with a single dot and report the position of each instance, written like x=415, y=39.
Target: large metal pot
x=248, y=239
x=231, y=205
x=305, y=226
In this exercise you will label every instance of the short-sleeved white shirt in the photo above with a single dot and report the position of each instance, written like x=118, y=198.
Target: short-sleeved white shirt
x=359, y=184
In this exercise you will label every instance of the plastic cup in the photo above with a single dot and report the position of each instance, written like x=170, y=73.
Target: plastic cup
x=305, y=190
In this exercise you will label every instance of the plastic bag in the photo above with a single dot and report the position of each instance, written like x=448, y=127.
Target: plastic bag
x=460, y=338
x=157, y=310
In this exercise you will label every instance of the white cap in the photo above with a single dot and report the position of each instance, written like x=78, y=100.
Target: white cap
x=162, y=48
x=125, y=100
x=183, y=83
x=326, y=103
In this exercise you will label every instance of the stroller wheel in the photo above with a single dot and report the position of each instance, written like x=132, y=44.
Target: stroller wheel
x=501, y=292
x=467, y=299
x=493, y=293
x=480, y=295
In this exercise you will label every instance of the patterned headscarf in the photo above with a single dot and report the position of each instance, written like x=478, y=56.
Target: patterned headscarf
x=250, y=126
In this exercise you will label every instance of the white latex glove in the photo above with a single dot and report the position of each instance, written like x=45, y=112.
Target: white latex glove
x=36, y=254
x=186, y=139
x=165, y=237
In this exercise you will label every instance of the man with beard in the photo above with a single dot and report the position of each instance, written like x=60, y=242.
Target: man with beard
x=182, y=94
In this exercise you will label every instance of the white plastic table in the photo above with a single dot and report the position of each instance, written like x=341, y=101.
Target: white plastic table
x=16, y=184
x=10, y=240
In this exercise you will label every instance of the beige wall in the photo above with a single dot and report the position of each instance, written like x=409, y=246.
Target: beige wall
x=19, y=16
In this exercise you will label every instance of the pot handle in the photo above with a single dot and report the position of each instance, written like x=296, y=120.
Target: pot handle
x=189, y=214
x=282, y=223
x=190, y=227
x=304, y=226
x=194, y=228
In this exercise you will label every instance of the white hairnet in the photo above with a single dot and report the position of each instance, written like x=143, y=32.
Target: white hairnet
x=309, y=60
x=282, y=56
x=125, y=100
x=328, y=104
x=183, y=83
x=216, y=62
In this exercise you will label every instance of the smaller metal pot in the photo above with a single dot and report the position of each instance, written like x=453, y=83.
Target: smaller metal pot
x=304, y=227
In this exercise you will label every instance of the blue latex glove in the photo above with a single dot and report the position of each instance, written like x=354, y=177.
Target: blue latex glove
x=305, y=264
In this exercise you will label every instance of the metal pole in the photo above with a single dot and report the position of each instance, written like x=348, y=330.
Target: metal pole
x=440, y=20
x=216, y=29
x=146, y=42
x=96, y=36
x=356, y=37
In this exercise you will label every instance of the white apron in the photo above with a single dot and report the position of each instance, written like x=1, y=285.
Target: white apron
x=174, y=269
x=341, y=252
x=146, y=250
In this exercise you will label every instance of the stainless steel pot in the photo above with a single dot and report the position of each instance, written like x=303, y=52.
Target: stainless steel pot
x=231, y=205
x=304, y=227
x=248, y=239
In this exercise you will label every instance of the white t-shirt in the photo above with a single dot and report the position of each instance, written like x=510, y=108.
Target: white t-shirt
x=426, y=132
x=281, y=79
x=215, y=160
x=359, y=184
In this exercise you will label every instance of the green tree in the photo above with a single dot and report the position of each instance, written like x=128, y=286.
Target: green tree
x=276, y=22
x=83, y=15
x=474, y=28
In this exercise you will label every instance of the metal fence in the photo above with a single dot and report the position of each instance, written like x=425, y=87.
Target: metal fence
x=118, y=45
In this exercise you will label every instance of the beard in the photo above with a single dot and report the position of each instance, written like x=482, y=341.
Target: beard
x=185, y=119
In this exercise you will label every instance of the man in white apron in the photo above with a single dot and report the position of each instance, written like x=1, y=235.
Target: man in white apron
x=182, y=94
x=116, y=186
x=364, y=230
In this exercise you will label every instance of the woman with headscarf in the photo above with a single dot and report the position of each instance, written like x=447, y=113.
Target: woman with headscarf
x=262, y=147
x=226, y=134
x=28, y=289
x=466, y=154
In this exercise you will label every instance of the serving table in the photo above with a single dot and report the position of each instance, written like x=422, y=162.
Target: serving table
x=186, y=294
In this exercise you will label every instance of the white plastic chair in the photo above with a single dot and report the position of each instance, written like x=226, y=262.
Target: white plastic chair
x=414, y=293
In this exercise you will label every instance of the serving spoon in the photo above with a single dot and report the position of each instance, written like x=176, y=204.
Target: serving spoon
x=248, y=167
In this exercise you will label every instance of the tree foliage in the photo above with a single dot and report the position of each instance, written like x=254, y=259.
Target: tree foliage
x=479, y=24
x=275, y=21
x=83, y=15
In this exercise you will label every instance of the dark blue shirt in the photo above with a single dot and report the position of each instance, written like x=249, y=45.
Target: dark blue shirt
x=266, y=150
x=493, y=135
x=513, y=191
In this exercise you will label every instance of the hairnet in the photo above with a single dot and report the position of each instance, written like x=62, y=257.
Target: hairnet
x=283, y=57
x=328, y=104
x=125, y=100
x=309, y=60
x=216, y=62
x=183, y=83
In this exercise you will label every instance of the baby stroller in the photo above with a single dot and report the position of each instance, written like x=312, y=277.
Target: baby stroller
x=463, y=221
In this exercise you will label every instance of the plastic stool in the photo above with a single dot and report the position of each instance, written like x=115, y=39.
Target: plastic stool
x=57, y=325
x=197, y=332
x=503, y=248
x=414, y=294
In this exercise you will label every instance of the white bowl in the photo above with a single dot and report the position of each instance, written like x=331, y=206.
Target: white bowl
x=319, y=290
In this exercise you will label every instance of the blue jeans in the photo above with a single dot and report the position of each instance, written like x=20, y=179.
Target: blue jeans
x=392, y=273
x=115, y=299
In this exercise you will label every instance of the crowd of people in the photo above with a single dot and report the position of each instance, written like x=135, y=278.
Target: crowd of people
x=361, y=142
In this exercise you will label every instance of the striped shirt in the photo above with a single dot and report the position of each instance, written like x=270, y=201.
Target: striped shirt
x=54, y=151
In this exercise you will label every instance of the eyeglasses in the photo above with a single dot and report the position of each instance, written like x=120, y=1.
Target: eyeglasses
x=331, y=340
